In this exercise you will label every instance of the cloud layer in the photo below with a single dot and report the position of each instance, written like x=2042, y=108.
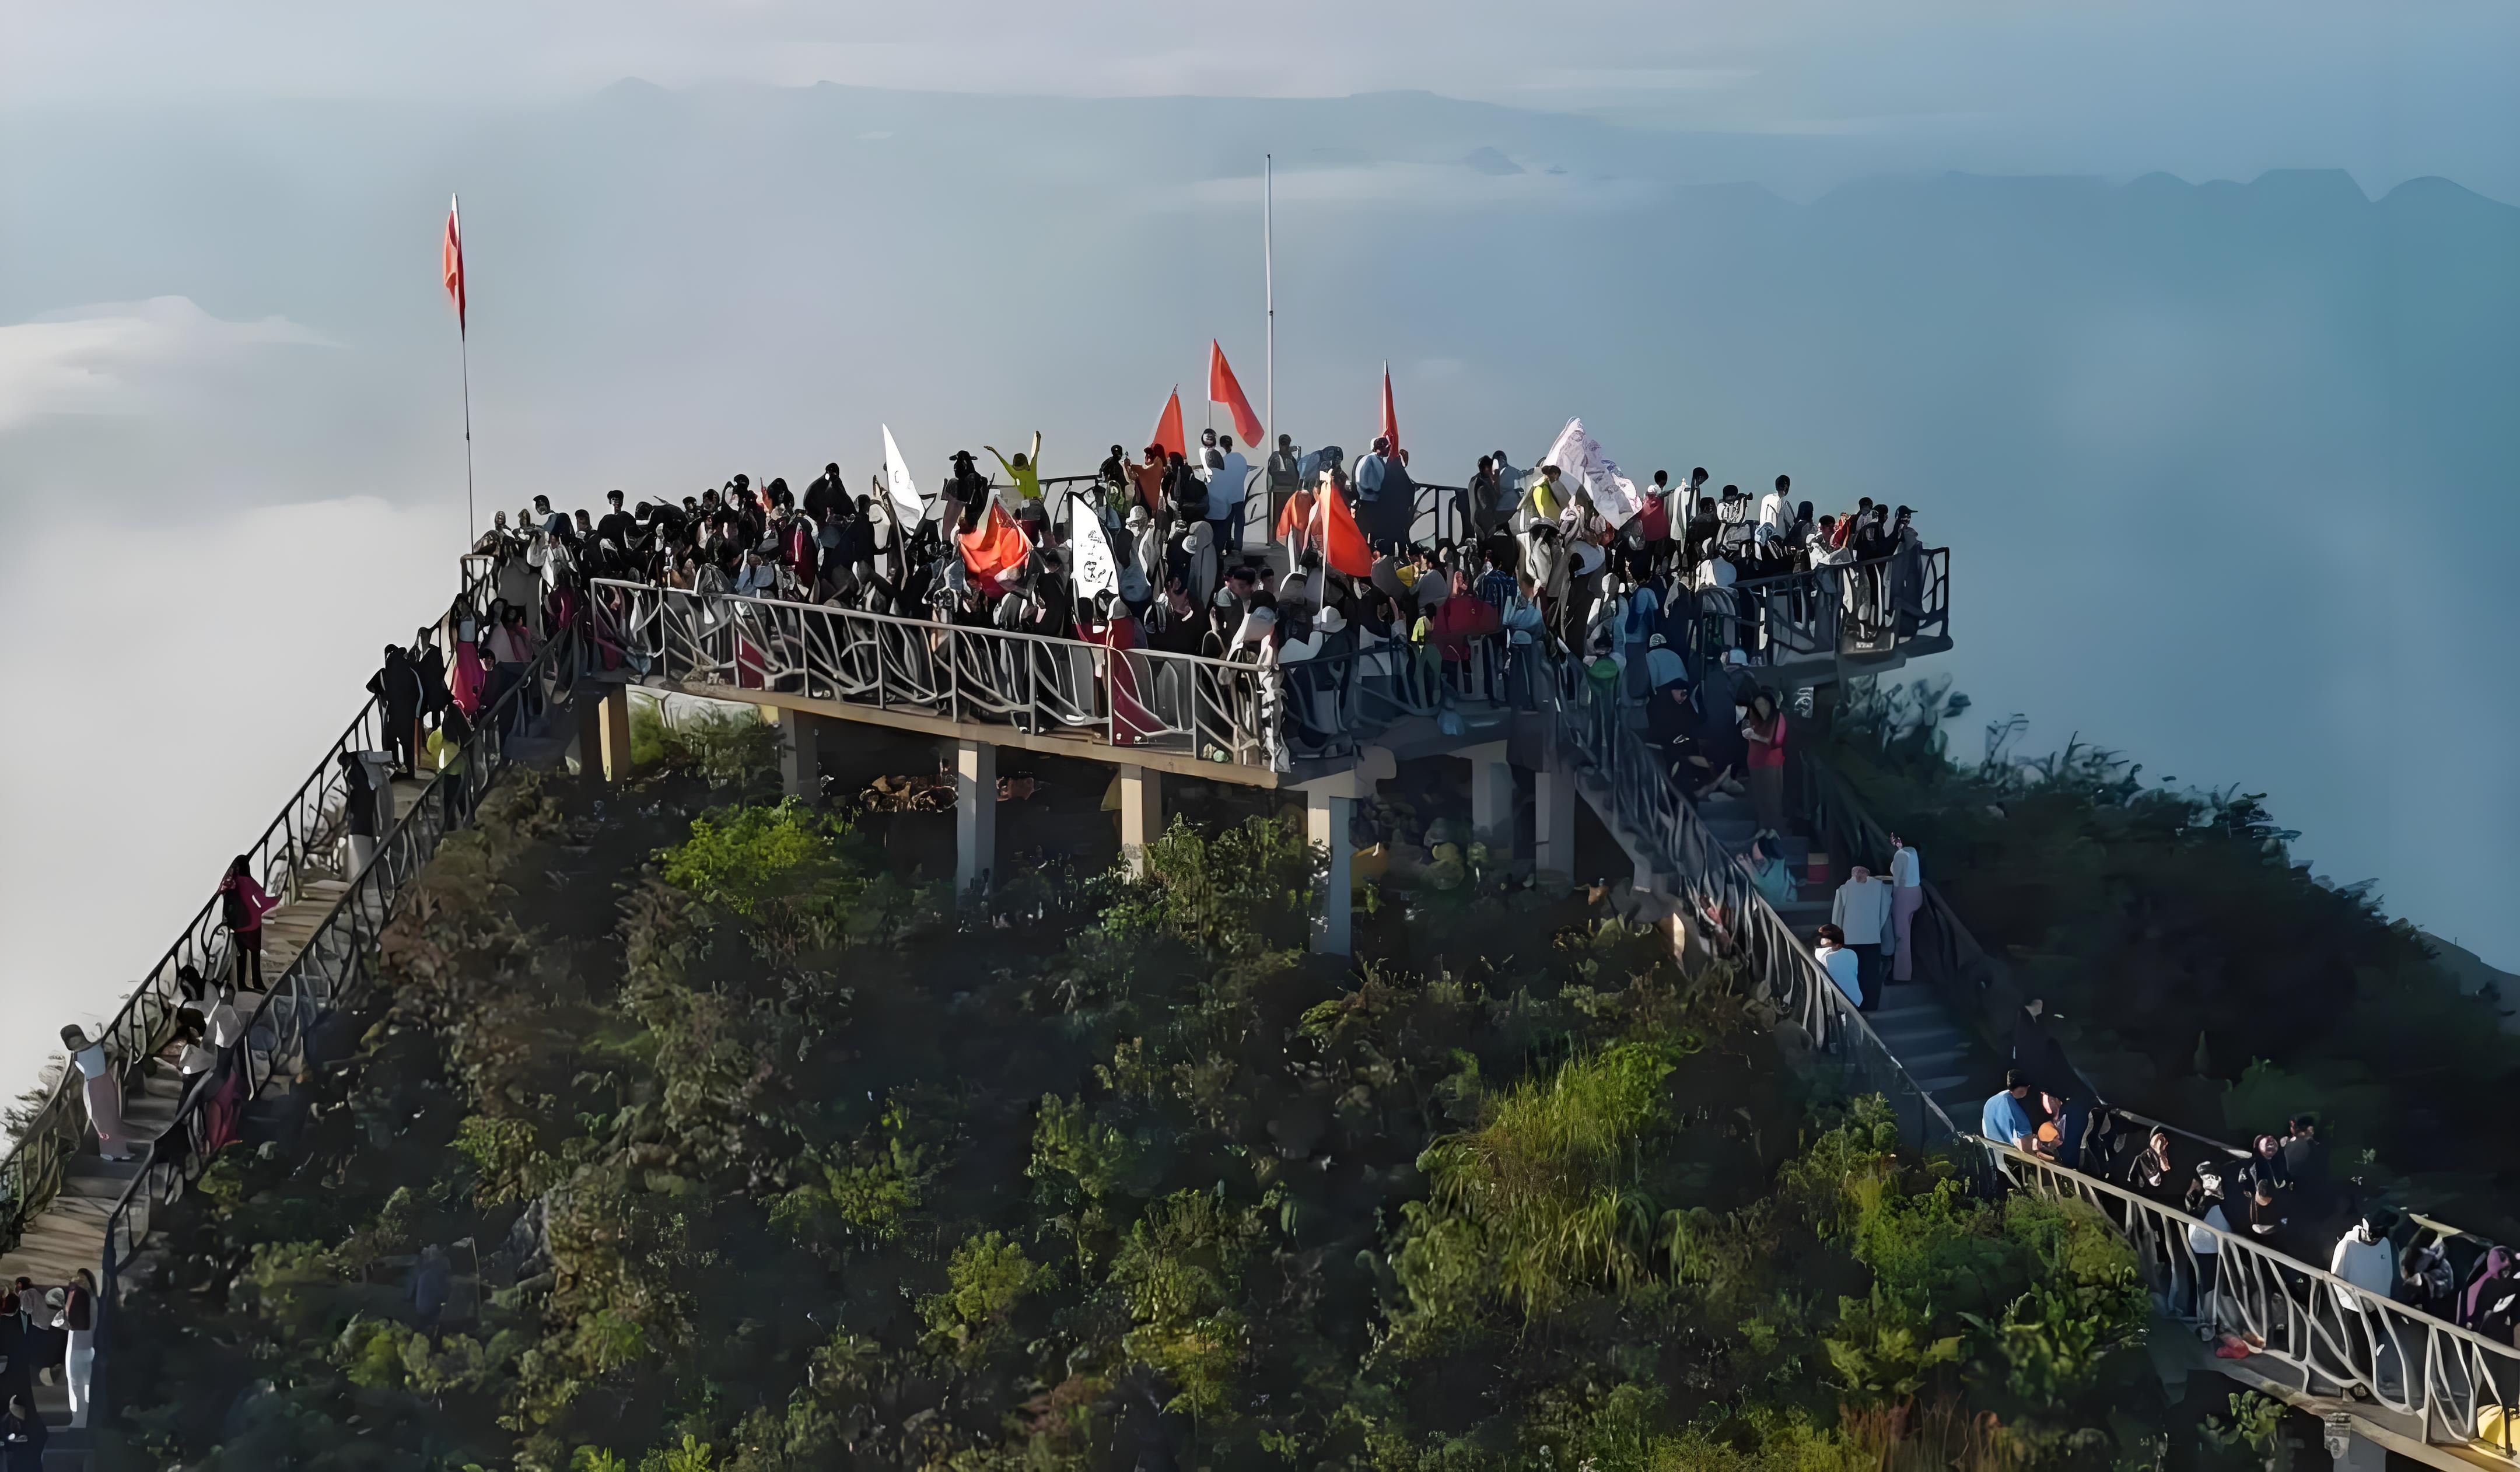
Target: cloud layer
x=124, y=358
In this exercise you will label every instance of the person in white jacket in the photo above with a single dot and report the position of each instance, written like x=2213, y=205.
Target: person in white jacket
x=2364, y=1259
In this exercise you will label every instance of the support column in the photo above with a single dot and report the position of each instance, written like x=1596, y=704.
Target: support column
x=604, y=732
x=615, y=736
x=1492, y=799
x=1553, y=800
x=975, y=815
x=800, y=755
x=1326, y=824
x=1142, y=815
x=2348, y=1449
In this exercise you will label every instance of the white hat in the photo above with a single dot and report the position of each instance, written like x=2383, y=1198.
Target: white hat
x=1329, y=620
x=1737, y=657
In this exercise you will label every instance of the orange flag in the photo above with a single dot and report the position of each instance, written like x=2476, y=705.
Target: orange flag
x=450, y=260
x=1223, y=390
x=995, y=547
x=1168, y=426
x=1390, y=420
x=1334, y=531
x=1298, y=512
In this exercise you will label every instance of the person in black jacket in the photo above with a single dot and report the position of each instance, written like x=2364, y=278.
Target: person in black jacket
x=400, y=693
x=22, y=1435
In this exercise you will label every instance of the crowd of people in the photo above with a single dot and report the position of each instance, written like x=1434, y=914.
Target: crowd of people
x=2281, y=1192
x=1304, y=556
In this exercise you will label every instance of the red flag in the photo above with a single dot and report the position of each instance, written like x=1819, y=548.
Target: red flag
x=1343, y=546
x=451, y=260
x=1223, y=390
x=1168, y=427
x=1390, y=420
x=995, y=547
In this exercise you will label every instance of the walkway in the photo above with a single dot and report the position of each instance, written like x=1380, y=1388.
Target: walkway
x=2383, y=1376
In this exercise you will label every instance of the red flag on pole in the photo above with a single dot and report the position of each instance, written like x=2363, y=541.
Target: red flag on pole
x=1223, y=390
x=1343, y=546
x=1390, y=420
x=451, y=260
x=995, y=547
x=1168, y=426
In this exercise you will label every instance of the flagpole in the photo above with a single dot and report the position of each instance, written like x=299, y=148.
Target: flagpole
x=1269, y=295
x=464, y=355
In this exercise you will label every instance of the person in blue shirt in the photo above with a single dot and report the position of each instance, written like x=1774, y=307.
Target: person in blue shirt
x=2005, y=1121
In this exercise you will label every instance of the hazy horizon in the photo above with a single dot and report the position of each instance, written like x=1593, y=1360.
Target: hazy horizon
x=2226, y=465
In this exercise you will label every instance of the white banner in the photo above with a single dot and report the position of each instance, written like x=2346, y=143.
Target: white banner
x=1089, y=549
x=907, y=503
x=1579, y=459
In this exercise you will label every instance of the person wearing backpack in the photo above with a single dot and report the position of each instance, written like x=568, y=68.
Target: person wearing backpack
x=242, y=904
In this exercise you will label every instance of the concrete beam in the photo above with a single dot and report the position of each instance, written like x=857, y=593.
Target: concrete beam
x=1142, y=815
x=1553, y=800
x=1492, y=797
x=1326, y=817
x=975, y=815
x=616, y=741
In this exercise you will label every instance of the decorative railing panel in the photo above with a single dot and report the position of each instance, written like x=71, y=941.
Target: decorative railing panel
x=2306, y=1328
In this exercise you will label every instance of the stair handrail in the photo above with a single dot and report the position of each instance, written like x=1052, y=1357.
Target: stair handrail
x=309, y=822
x=2293, y=1312
x=338, y=959
x=1592, y=729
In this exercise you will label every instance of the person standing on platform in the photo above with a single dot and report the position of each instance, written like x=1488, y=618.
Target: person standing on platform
x=1907, y=897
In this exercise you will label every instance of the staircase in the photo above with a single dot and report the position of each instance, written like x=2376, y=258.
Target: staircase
x=1910, y=1018
x=69, y=1235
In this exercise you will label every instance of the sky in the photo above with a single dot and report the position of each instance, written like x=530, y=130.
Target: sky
x=2221, y=455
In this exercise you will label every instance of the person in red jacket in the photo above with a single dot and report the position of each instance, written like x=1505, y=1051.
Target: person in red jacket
x=1456, y=623
x=242, y=904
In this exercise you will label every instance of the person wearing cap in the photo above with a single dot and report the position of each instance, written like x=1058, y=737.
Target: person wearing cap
x=22, y=1436
x=2205, y=1243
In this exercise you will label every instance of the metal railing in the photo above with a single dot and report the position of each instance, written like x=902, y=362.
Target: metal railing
x=299, y=843
x=1214, y=709
x=1854, y=610
x=1636, y=792
x=2305, y=1328
x=337, y=963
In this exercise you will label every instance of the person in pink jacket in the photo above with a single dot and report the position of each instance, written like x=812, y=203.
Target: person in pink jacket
x=242, y=904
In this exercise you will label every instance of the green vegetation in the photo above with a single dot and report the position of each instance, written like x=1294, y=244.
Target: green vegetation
x=2194, y=970
x=747, y=1155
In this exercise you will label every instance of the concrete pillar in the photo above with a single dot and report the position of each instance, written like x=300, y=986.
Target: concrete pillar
x=615, y=740
x=800, y=755
x=2348, y=1450
x=1553, y=800
x=604, y=732
x=1142, y=815
x=975, y=815
x=1492, y=799
x=1326, y=824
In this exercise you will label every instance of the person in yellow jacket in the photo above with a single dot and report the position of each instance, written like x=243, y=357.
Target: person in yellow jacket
x=444, y=753
x=1025, y=469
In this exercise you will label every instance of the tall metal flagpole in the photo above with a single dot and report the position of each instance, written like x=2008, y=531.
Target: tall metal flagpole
x=464, y=356
x=1269, y=293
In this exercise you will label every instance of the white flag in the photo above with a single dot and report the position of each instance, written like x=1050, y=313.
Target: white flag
x=1089, y=549
x=1579, y=459
x=907, y=503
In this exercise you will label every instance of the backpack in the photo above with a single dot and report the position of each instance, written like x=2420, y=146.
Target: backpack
x=233, y=912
